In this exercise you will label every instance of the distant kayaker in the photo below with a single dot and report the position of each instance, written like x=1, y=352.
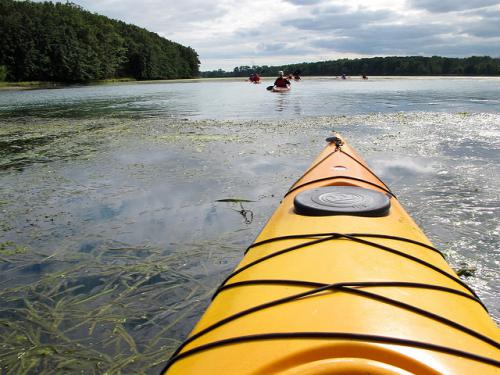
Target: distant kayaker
x=254, y=77
x=281, y=81
x=296, y=75
x=343, y=76
x=364, y=76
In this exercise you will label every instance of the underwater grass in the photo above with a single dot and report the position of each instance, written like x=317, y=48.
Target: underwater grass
x=113, y=308
x=118, y=309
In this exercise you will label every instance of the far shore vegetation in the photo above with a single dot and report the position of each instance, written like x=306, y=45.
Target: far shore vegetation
x=377, y=66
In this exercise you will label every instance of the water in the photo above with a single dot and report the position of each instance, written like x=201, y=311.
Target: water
x=111, y=236
x=234, y=99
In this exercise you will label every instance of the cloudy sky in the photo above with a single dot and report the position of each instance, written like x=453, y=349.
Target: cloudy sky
x=229, y=33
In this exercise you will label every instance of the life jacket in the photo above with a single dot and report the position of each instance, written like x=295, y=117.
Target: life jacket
x=281, y=82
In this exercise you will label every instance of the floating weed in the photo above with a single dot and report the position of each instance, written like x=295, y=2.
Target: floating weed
x=247, y=214
x=10, y=248
x=196, y=141
x=234, y=200
x=466, y=271
x=24, y=143
x=192, y=137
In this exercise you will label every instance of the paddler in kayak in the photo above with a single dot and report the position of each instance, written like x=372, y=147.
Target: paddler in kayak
x=281, y=81
x=254, y=78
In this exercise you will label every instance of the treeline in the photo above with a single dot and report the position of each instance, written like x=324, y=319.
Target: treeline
x=64, y=43
x=390, y=66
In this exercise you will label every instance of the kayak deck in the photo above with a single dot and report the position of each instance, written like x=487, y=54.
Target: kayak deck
x=341, y=294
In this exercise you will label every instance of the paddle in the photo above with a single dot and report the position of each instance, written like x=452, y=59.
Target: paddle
x=269, y=88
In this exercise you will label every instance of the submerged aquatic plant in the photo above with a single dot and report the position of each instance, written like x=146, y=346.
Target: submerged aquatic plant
x=91, y=306
x=114, y=309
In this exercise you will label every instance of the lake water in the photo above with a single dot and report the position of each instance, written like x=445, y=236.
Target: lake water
x=234, y=99
x=111, y=236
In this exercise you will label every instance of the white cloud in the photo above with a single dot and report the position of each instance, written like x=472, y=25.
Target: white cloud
x=227, y=33
x=339, y=18
x=442, y=6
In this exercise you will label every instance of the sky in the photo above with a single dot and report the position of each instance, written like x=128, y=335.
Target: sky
x=230, y=33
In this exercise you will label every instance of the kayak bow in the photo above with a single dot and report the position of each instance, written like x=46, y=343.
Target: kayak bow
x=341, y=281
x=280, y=89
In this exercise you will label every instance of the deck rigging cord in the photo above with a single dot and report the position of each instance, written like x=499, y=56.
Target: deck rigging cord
x=334, y=236
x=346, y=287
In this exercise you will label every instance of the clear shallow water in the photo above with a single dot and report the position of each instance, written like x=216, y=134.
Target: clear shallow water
x=111, y=236
x=236, y=99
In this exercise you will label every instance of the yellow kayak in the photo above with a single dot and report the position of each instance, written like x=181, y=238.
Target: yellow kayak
x=341, y=281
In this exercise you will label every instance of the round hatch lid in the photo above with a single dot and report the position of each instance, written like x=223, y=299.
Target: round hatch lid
x=342, y=200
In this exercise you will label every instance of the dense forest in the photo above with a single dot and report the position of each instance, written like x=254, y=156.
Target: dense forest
x=391, y=66
x=64, y=43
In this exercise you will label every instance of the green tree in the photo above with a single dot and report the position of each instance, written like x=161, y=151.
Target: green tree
x=63, y=42
x=3, y=72
x=393, y=65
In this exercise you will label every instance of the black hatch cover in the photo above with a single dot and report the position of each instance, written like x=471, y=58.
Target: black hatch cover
x=342, y=200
